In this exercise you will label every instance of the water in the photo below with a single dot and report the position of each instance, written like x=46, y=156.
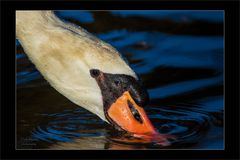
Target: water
x=178, y=55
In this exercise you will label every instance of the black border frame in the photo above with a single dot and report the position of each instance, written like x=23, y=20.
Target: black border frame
x=231, y=79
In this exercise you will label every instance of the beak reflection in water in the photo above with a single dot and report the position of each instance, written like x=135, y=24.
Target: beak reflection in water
x=123, y=98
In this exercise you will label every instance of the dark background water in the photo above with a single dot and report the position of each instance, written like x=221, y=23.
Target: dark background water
x=179, y=55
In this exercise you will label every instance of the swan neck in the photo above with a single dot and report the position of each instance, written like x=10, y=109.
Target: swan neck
x=28, y=22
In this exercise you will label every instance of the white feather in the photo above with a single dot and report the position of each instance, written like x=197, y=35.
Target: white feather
x=64, y=54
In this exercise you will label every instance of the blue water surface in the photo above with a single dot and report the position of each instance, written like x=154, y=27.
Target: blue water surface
x=191, y=108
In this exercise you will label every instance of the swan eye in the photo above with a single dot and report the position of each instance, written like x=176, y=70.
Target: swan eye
x=117, y=82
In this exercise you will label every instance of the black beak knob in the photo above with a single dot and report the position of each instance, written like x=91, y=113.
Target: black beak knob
x=139, y=94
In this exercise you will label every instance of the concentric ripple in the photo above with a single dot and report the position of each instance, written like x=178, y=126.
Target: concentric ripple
x=68, y=125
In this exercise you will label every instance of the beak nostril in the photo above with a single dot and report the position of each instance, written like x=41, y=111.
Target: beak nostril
x=135, y=113
x=94, y=73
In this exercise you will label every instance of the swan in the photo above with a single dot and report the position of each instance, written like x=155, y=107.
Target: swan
x=86, y=70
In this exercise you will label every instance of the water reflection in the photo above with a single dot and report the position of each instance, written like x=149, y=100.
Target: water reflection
x=180, y=60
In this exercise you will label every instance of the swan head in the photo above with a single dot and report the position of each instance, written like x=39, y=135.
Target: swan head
x=123, y=98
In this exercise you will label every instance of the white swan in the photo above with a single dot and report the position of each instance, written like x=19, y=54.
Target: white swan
x=86, y=70
x=64, y=54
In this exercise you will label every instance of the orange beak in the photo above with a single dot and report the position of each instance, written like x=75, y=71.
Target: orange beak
x=121, y=114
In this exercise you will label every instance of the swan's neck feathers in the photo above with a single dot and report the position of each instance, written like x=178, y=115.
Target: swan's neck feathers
x=64, y=54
